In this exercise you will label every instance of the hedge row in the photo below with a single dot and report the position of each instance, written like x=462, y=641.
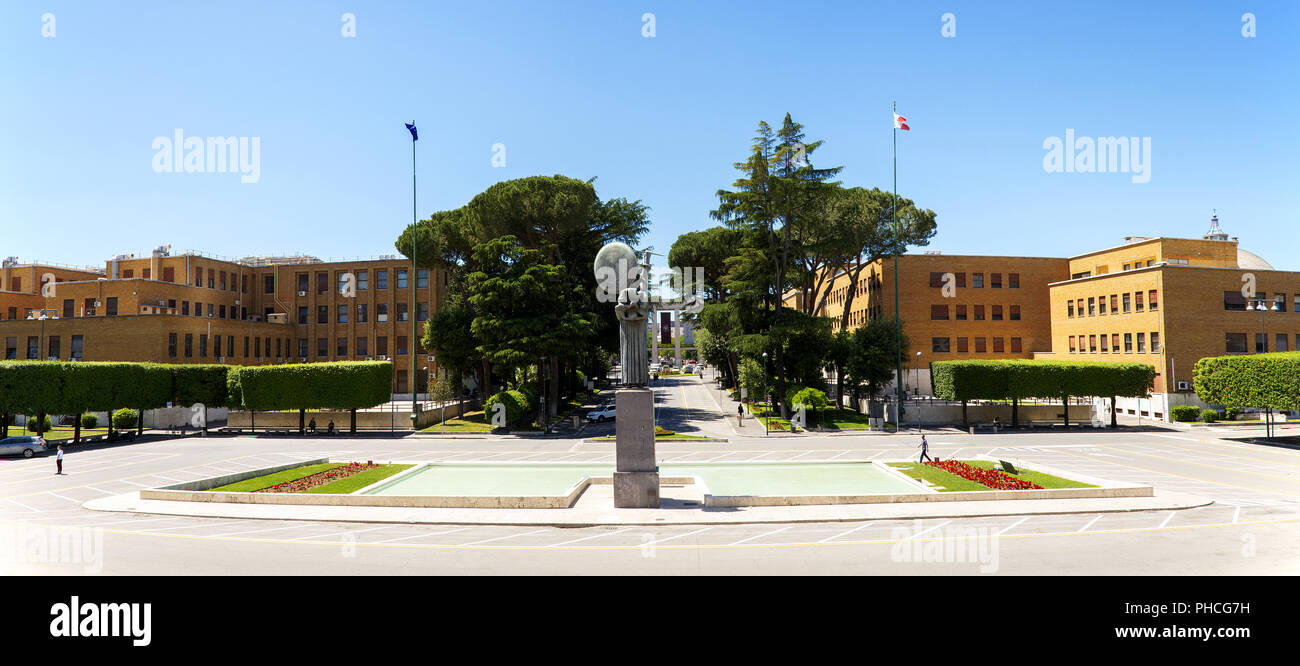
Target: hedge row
x=1018, y=379
x=53, y=387
x=337, y=385
x=1258, y=380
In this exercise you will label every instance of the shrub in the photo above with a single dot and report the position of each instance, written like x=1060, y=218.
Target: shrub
x=516, y=406
x=44, y=425
x=1185, y=413
x=1209, y=415
x=125, y=418
x=1230, y=414
x=89, y=420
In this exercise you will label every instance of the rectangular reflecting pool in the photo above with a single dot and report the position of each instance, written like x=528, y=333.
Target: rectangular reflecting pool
x=729, y=479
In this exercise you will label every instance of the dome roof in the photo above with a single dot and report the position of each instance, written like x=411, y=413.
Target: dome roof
x=1251, y=260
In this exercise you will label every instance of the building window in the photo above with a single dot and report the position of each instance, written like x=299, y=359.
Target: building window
x=302, y=348
x=1015, y=345
x=960, y=315
x=230, y=345
x=322, y=282
x=998, y=346
x=257, y=347
x=363, y=347
x=1155, y=342
x=938, y=312
x=1261, y=343
x=979, y=313
x=1101, y=305
x=245, y=346
x=216, y=346
x=1071, y=344
x=1092, y=344
x=401, y=344
x=1015, y=313
x=278, y=349
x=323, y=314
x=1128, y=343
x=221, y=312
x=422, y=278
x=171, y=345
x=936, y=280
x=1126, y=266
x=995, y=280
x=1234, y=301
x=939, y=345
x=343, y=314
x=363, y=313
x=343, y=347
x=268, y=283
x=209, y=309
x=1137, y=301
x=1235, y=343
x=1013, y=280
x=302, y=314
x=981, y=345
x=169, y=274
x=997, y=313
x=401, y=278
x=1105, y=348
x=322, y=347
x=1282, y=340
x=1114, y=303
x=33, y=347
x=1142, y=343
x=381, y=278
x=68, y=305
x=401, y=312
x=1092, y=307
x=422, y=311
x=381, y=311
x=110, y=306
x=1153, y=304
x=1114, y=343
x=303, y=281
x=1128, y=303
x=363, y=280
x=381, y=345
x=963, y=345
x=54, y=350
x=189, y=345
x=977, y=280
x=203, y=345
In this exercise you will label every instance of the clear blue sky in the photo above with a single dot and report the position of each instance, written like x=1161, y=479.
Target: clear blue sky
x=574, y=88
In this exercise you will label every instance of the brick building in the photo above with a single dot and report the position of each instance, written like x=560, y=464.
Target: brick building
x=193, y=308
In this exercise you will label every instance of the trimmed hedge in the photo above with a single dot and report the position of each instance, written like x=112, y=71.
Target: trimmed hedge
x=337, y=385
x=1015, y=379
x=1209, y=415
x=1185, y=413
x=44, y=425
x=520, y=406
x=1258, y=380
x=89, y=420
x=125, y=418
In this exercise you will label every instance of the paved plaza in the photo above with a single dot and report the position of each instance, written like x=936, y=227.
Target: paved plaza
x=1251, y=526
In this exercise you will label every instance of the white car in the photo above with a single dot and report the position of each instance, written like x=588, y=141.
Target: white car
x=601, y=414
x=28, y=446
x=688, y=369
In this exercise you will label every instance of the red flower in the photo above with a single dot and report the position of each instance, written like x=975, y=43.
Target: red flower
x=986, y=477
x=318, y=479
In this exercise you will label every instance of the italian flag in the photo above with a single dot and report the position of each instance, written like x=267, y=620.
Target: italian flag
x=900, y=122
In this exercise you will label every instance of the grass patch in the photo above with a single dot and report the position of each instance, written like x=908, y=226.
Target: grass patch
x=949, y=482
x=768, y=416
x=470, y=422
x=359, y=480
x=64, y=432
x=268, y=480
x=1040, y=478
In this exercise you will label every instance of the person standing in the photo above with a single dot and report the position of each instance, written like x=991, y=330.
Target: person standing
x=925, y=450
x=59, y=460
x=740, y=414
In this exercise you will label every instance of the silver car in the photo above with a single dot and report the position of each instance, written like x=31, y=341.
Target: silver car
x=26, y=445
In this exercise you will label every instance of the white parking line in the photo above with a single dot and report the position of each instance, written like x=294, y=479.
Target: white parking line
x=1090, y=524
x=1008, y=527
x=422, y=534
x=759, y=536
x=131, y=520
x=62, y=497
x=1166, y=520
x=593, y=536
x=931, y=529
x=24, y=505
x=675, y=536
x=843, y=453
x=99, y=490
x=1235, y=515
x=508, y=536
x=845, y=533
x=330, y=534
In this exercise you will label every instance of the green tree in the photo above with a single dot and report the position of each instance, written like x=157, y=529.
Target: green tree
x=873, y=358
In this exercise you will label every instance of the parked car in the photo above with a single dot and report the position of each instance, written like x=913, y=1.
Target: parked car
x=26, y=445
x=601, y=414
x=688, y=369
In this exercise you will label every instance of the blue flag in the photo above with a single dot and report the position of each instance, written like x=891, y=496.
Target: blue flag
x=414, y=136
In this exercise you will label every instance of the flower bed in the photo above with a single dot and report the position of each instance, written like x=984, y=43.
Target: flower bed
x=986, y=477
x=319, y=479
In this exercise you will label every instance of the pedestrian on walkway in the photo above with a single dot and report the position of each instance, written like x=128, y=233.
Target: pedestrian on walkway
x=59, y=460
x=925, y=450
x=740, y=413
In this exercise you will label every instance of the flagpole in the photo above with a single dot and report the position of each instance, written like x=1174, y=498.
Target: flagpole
x=898, y=320
x=415, y=283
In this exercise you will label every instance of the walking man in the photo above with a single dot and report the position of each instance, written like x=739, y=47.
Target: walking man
x=740, y=414
x=925, y=450
x=59, y=459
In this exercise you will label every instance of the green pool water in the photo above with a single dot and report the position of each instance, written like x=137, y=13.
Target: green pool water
x=730, y=479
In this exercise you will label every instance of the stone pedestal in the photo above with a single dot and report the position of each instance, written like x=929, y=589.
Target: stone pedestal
x=636, y=475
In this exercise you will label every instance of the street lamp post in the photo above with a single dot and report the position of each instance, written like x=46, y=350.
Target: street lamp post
x=541, y=379
x=767, y=409
x=916, y=390
x=1261, y=304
